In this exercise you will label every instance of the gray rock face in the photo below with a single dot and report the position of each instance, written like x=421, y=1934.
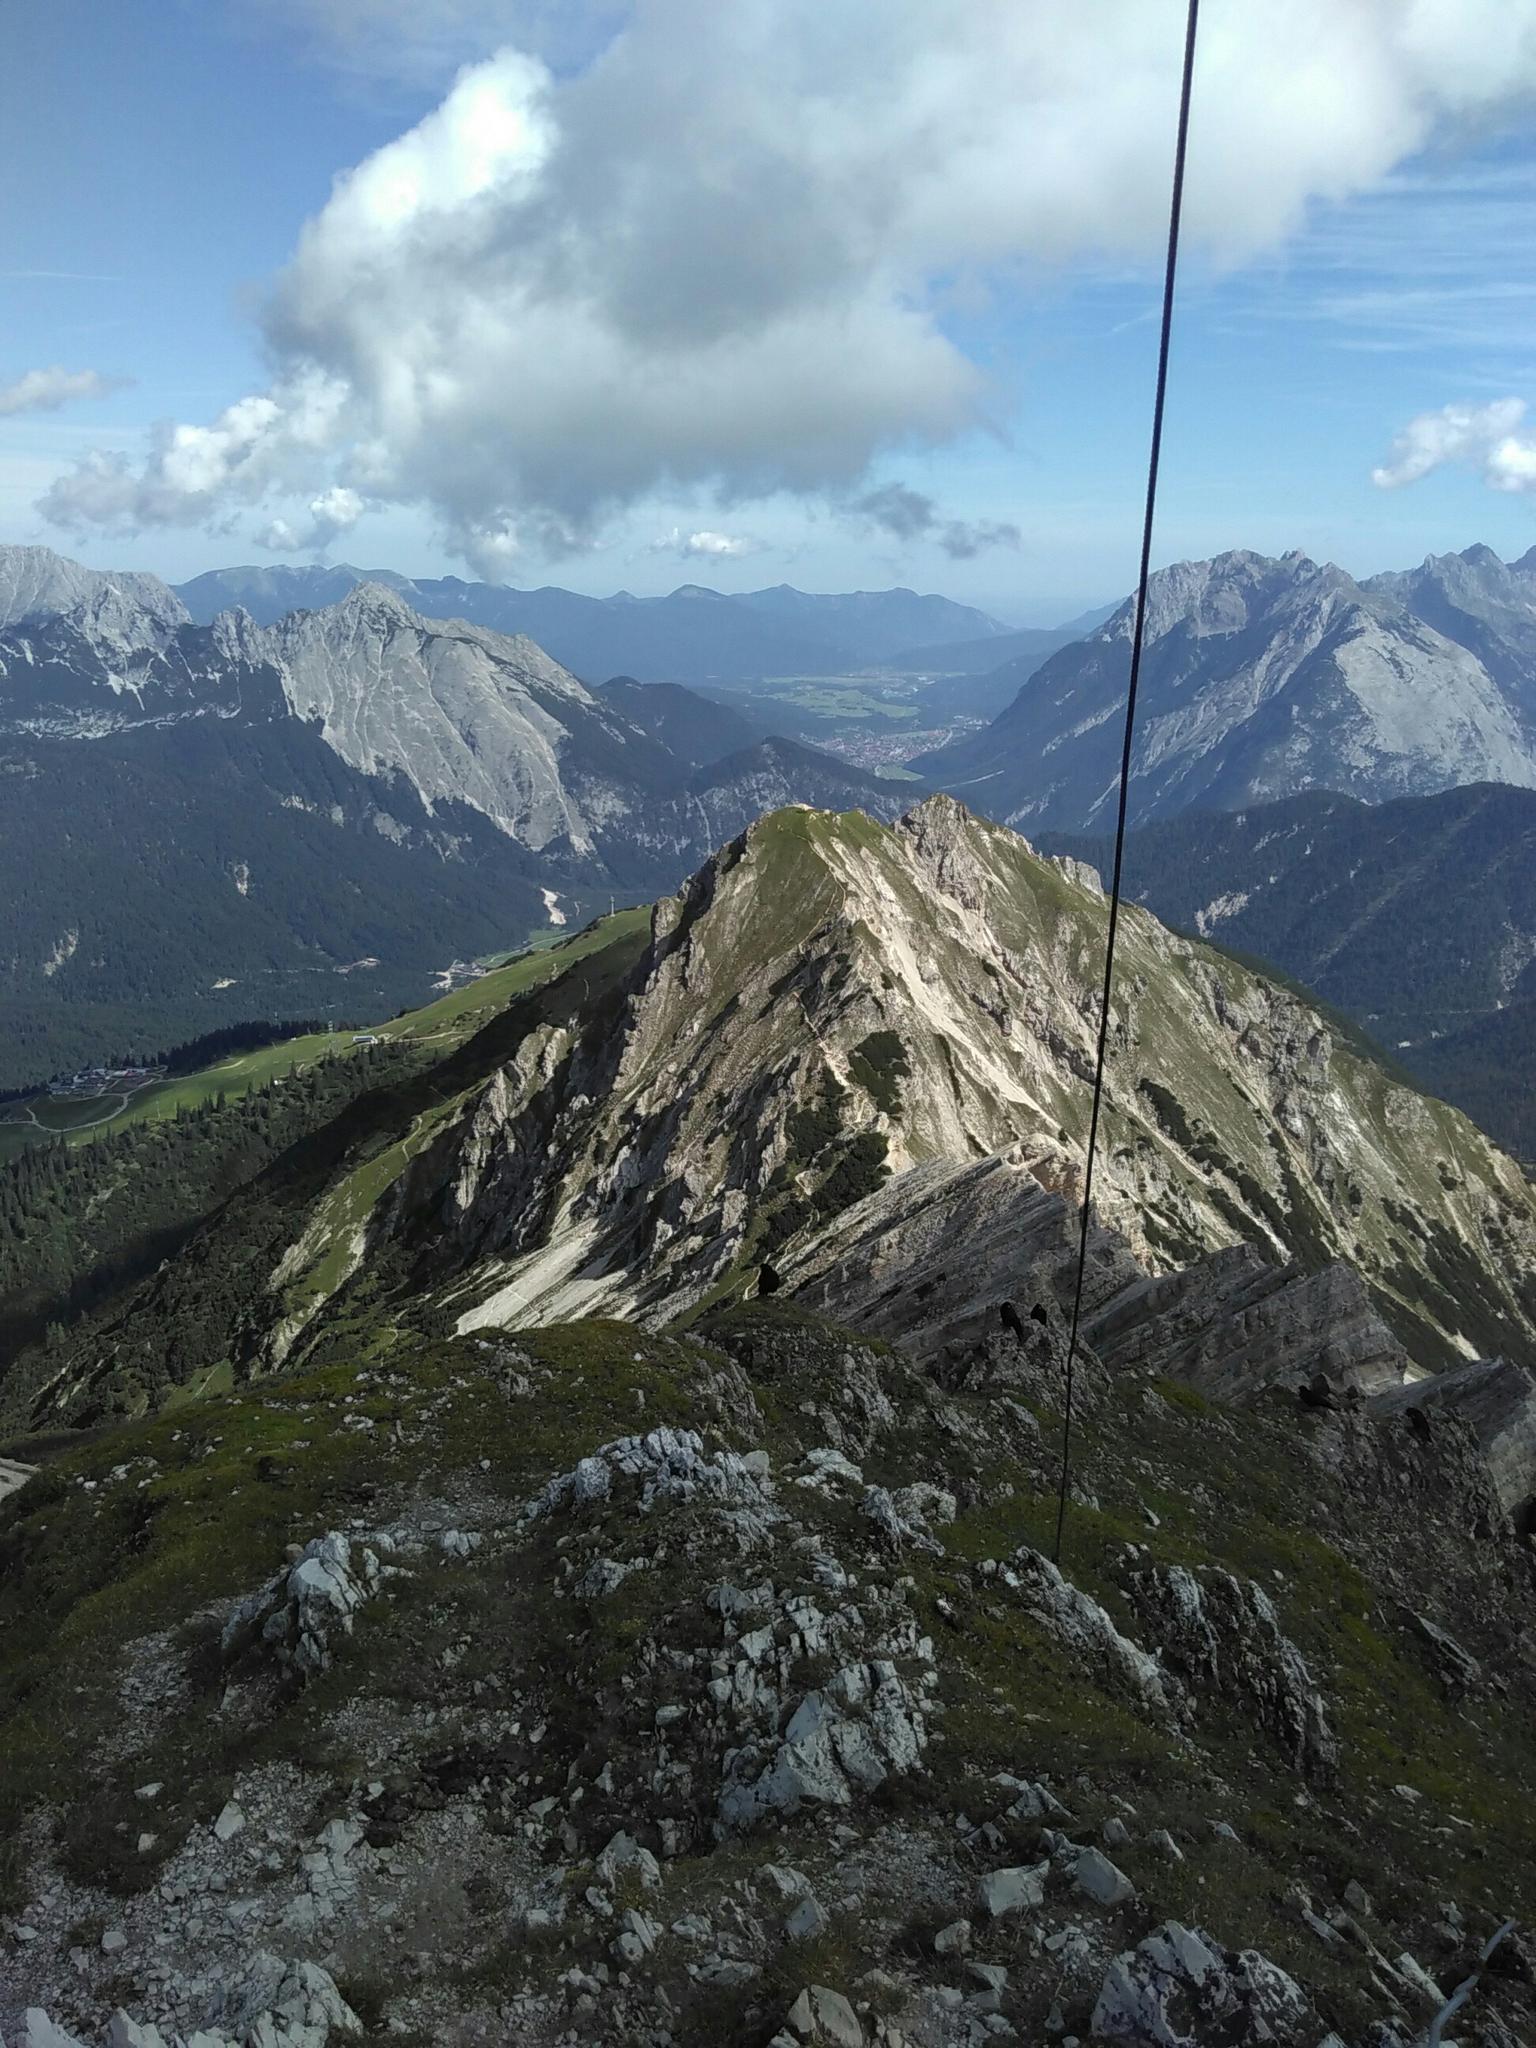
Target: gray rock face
x=462, y=713
x=890, y=1266
x=1221, y=1635
x=624, y=1180
x=36, y=584
x=1234, y=1323
x=1497, y=1399
x=1486, y=605
x=1180, y=1989
x=1262, y=677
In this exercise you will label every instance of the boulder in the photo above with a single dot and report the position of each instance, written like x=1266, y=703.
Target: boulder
x=1017, y=1890
x=1458, y=1669
x=125, y=2032
x=624, y=1854
x=38, y=2031
x=953, y=1940
x=825, y=2016
x=1103, y=1882
x=806, y=1920
x=1181, y=1989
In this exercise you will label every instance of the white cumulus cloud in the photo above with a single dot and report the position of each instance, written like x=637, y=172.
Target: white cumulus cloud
x=717, y=254
x=47, y=390
x=709, y=546
x=1482, y=437
x=332, y=514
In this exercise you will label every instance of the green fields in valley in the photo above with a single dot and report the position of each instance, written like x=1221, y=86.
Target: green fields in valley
x=440, y=1025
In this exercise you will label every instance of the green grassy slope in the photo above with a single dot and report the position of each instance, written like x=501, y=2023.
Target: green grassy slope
x=80, y=1222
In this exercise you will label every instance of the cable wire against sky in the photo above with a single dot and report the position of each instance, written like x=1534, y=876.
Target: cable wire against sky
x=1175, y=210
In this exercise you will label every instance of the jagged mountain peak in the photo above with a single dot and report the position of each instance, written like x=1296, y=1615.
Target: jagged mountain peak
x=37, y=583
x=370, y=596
x=372, y=611
x=1265, y=677
x=1228, y=593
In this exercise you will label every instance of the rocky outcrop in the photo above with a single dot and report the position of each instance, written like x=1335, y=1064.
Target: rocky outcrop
x=890, y=1265
x=271, y=2004
x=1235, y=1323
x=839, y=1743
x=296, y=1614
x=1221, y=1635
x=1496, y=1398
x=670, y=1466
x=1180, y=1989
x=1080, y=1623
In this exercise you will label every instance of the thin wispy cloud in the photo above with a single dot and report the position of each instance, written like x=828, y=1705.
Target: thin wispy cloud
x=47, y=390
x=1435, y=260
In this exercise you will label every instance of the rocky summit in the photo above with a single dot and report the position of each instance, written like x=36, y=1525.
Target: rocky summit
x=569, y=1554
x=835, y=1012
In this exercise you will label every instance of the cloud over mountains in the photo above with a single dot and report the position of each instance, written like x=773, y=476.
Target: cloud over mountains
x=729, y=253
x=1483, y=437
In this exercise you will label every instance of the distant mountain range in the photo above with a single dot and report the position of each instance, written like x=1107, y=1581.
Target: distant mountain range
x=693, y=635
x=1417, y=917
x=1263, y=678
x=204, y=822
x=263, y=805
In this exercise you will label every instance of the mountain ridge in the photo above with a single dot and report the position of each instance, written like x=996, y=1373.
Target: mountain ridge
x=1262, y=677
x=467, y=770
x=931, y=986
x=673, y=638
x=708, y=1671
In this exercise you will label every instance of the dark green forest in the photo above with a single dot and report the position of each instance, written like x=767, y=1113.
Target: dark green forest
x=145, y=869
x=80, y=1222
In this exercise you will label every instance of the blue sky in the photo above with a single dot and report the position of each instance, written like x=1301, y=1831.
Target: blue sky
x=162, y=161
